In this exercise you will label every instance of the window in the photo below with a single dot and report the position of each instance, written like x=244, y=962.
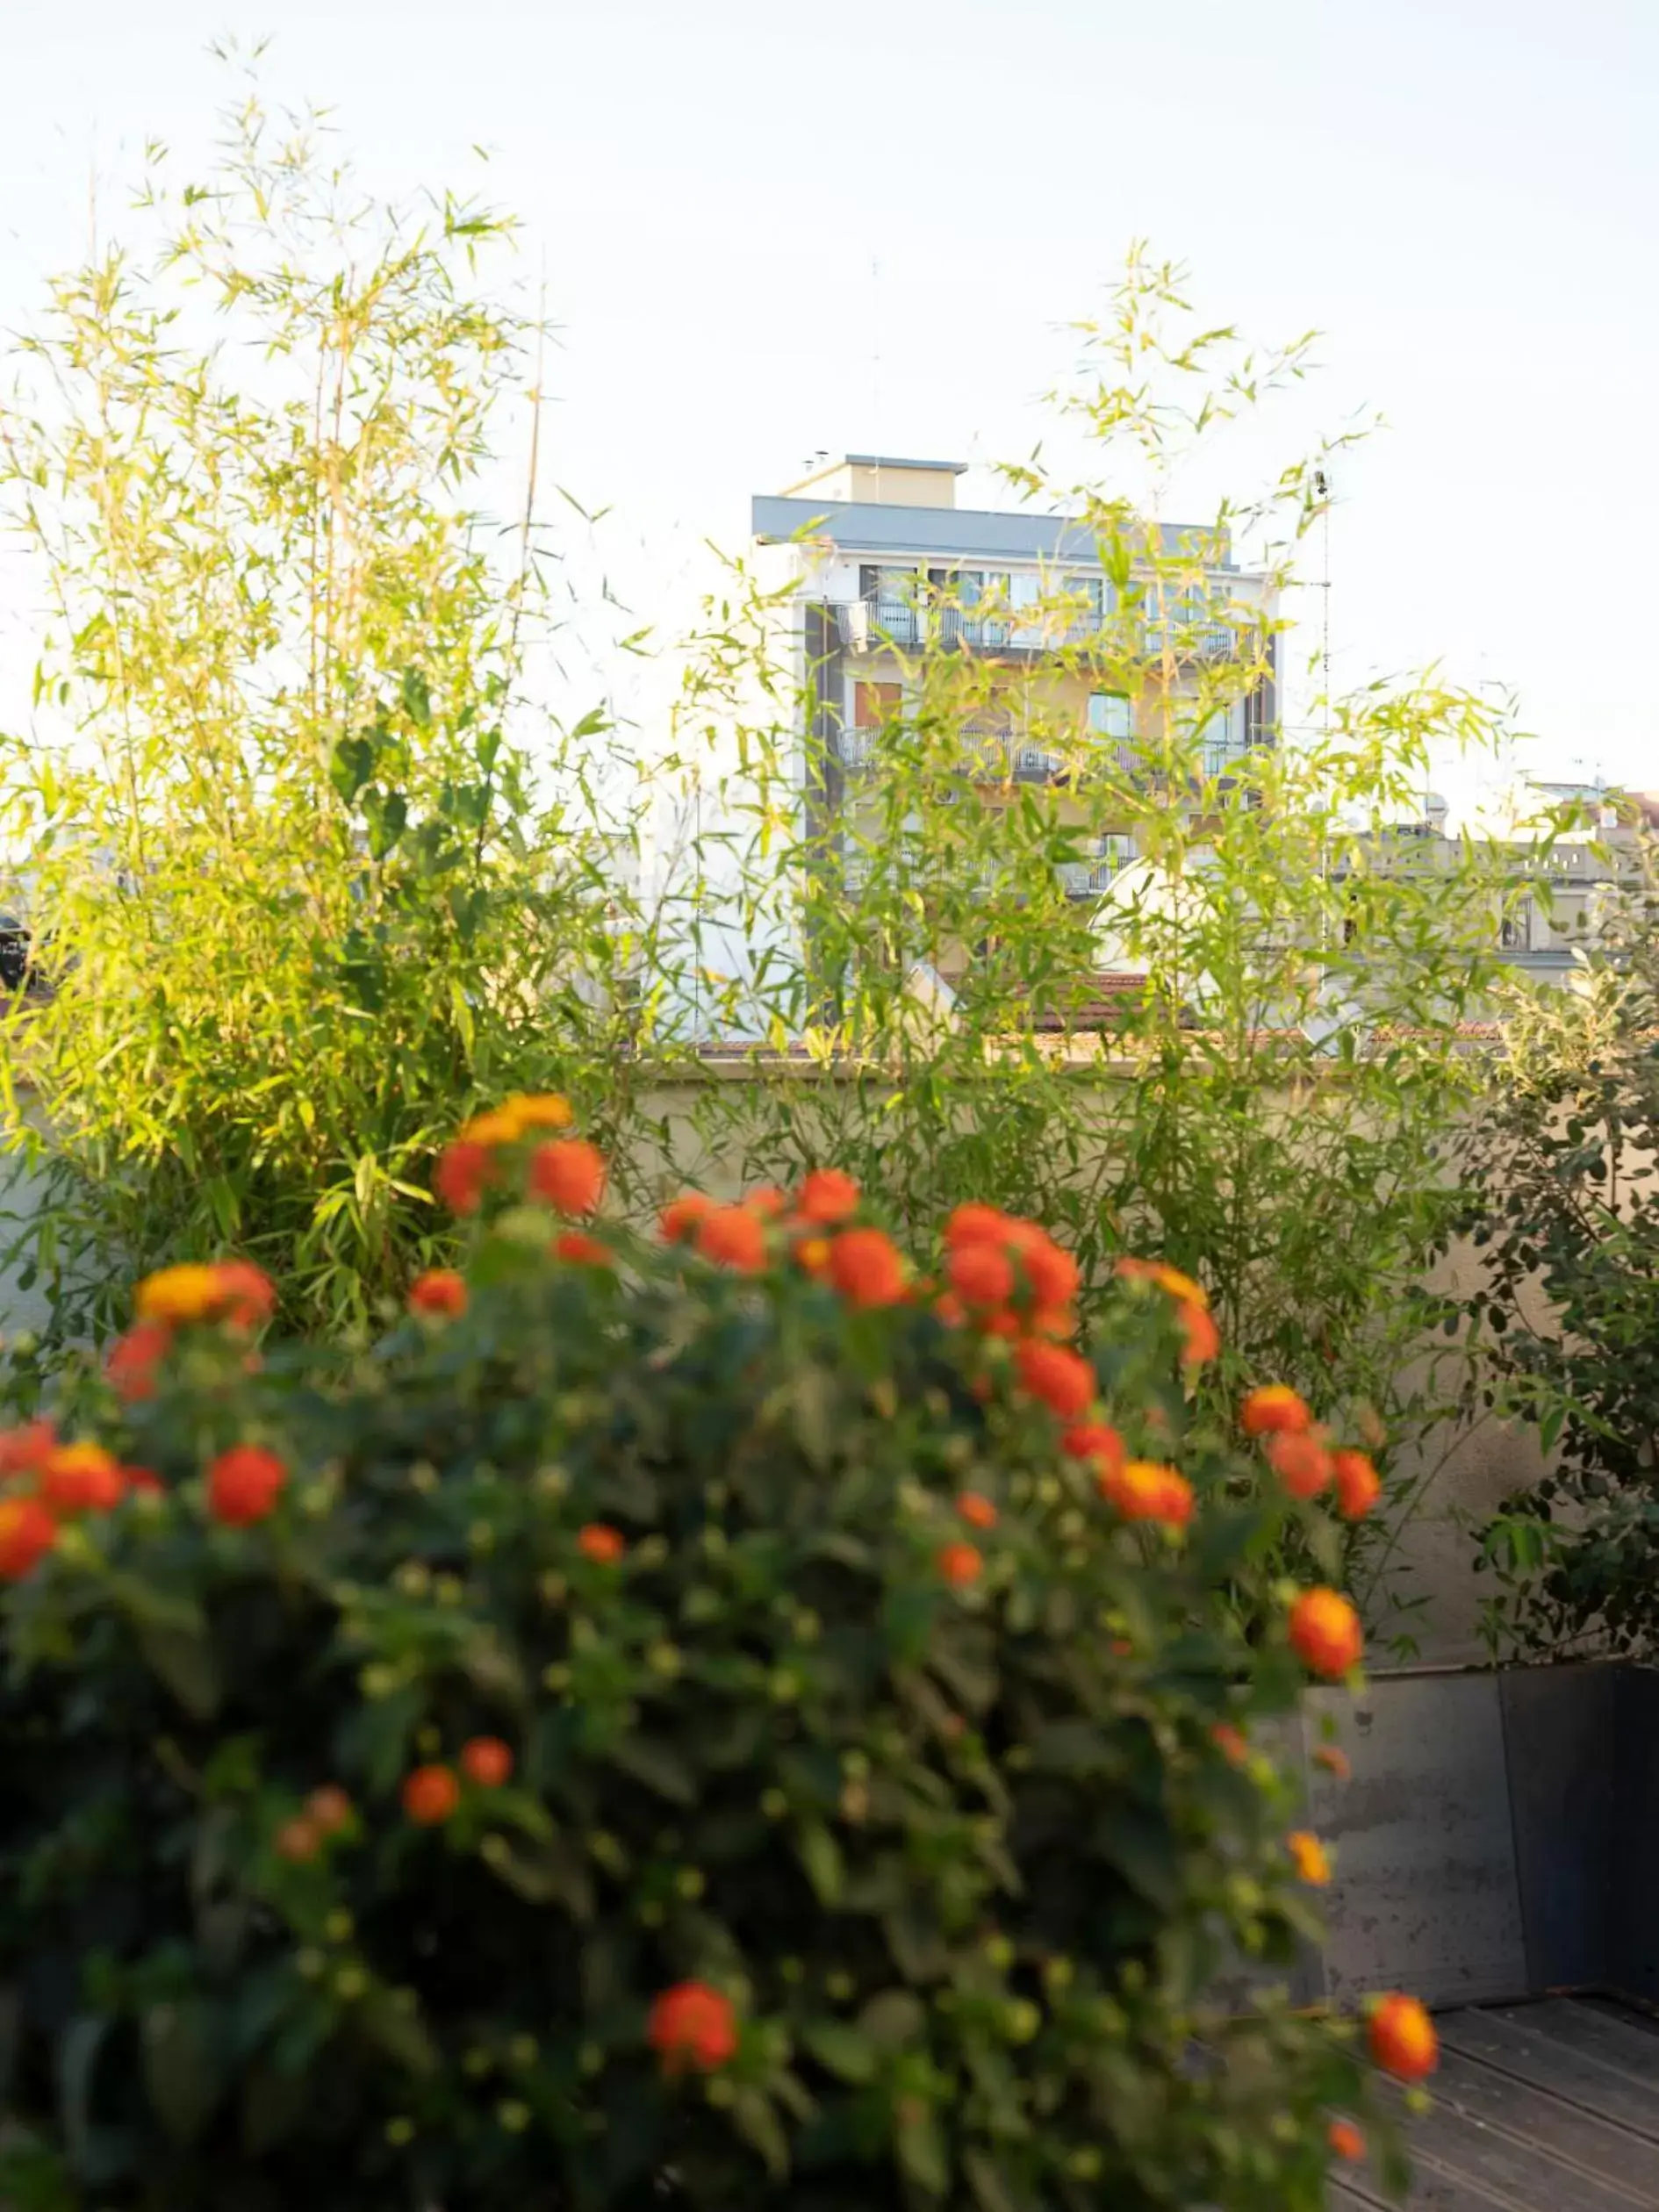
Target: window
x=1090, y=590
x=887, y=582
x=1515, y=930
x=1110, y=715
x=874, y=704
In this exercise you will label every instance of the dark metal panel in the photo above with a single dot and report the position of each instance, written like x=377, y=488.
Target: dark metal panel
x=1634, y=1966
x=1559, y=1740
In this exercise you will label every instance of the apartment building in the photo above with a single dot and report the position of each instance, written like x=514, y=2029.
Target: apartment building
x=875, y=565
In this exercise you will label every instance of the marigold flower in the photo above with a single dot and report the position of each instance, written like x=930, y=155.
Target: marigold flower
x=827, y=1197
x=247, y=1296
x=1357, y=1483
x=538, y=1109
x=1334, y=1760
x=570, y=1173
x=976, y=1510
x=676, y=1224
x=1057, y=1322
x=81, y=1478
x=866, y=1267
x=981, y=1274
x=465, y=1171
x=244, y=1484
x=1231, y=1741
x=692, y=2025
x=132, y=1359
x=486, y=1761
x=974, y=1223
x=1141, y=1489
x=766, y=1202
x=1300, y=1462
x=600, y=1543
x=1311, y=1860
x=27, y=1533
x=186, y=1293
x=23, y=1451
x=1401, y=2038
x=1050, y=1270
x=1184, y=1288
x=440, y=1292
x=960, y=1564
x=1274, y=1406
x=733, y=1237
x=1325, y=1632
x=1203, y=1338
x=1346, y=2141
x=1064, y=1381
x=328, y=1808
x=1095, y=1441
x=497, y=1125
x=299, y=1840
x=430, y=1795
x=581, y=1250
x=949, y=1310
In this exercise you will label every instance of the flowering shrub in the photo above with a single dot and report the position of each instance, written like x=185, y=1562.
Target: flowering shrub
x=714, y=1722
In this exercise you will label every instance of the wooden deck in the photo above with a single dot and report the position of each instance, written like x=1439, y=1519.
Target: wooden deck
x=1548, y=2106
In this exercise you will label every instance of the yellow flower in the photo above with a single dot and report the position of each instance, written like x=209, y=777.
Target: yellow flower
x=1312, y=1861
x=188, y=1293
x=501, y=1126
x=543, y=1109
x=1180, y=1286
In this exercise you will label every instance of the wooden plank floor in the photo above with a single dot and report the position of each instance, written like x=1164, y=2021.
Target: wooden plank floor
x=1548, y=2106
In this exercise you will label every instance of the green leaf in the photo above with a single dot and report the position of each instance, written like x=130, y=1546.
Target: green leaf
x=895, y=2019
x=922, y=2156
x=398, y=2030
x=821, y=1856
x=185, y=1662
x=658, y=1765
x=185, y=2059
x=760, y=2126
x=842, y=2050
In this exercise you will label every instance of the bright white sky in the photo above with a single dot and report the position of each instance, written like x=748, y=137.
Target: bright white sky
x=768, y=229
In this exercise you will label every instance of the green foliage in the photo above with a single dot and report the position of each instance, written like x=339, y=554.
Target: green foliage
x=300, y=889
x=1565, y=1212
x=966, y=1857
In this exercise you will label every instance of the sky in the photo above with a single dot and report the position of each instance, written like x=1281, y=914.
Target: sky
x=768, y=231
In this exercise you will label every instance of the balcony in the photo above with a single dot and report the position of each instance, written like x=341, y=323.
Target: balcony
x=865, y=626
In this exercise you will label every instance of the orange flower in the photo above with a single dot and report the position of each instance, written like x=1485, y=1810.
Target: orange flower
x=464, y=1171
x=328, y=1808
x=733, y=1237
x=960, y=1564
x=1403, y=2038
x=131, y=1361
x=186, y=1293
x=1182, y=1288
x=1346, y=2141
x=1325, y=1632
x=1334, y=1760
x=145, y=1479
x=1057, y=1321
x=1358, y=1485
x=1275, y=1405
x=1309, y=1856
x=600, y=1543
x=1051, y=1271
x=949, y=1310
x=973, y=1223
x=976, y=1510
x=570, y=1173
x=1300, y=1462
x=581, y=1250
x=488, y=1762
x=676, y=1224
x=441, y=1292
x=812, y=1255
x=430, y=1795
x=244, y=1484
x=866, y=1267
x=299, y=1840
x=1141, y=1489
x=692, y=2025
x=1064, y=1381
x=27, y=1533
x=1231, y=1741
x=1198, y=1325
x=1094, y=1440
x=537, y=1109
x=247, y=1296
x=981, y=1274
x=827, y=1197
x=23, y=1451
x=81, y=1478
x=766, y=1202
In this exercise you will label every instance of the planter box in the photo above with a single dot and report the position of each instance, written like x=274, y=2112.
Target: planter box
x=1497, y=1838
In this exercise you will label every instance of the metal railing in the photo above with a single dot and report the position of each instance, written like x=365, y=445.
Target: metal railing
x=866, y=625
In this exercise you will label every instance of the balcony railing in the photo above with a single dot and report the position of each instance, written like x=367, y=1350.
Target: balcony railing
x=865, y=626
